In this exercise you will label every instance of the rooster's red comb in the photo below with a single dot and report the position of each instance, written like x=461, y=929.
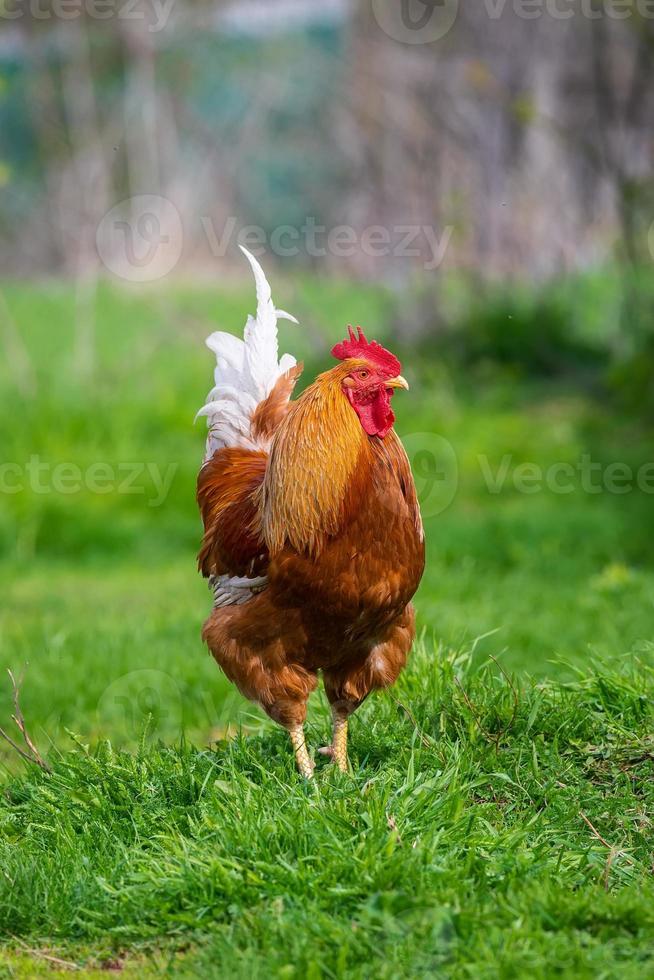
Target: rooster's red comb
x=358, y=346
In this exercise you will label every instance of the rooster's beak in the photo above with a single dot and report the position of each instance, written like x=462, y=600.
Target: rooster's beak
x=398, y=382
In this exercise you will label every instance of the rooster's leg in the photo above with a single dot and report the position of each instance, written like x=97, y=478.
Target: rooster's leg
x=338, y=749
x=304, y=763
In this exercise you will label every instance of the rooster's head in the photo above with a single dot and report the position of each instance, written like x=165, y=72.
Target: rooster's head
x=369, y=376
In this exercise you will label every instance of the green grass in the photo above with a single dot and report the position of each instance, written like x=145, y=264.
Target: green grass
x=153, y=852
x=457, y=847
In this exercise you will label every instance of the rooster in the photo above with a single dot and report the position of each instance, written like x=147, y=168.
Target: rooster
x=313, y=542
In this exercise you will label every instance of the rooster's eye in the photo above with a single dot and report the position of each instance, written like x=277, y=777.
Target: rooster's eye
x=363, y=374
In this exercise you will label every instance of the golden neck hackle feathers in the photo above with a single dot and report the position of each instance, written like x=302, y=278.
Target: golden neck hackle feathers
x=316, y=452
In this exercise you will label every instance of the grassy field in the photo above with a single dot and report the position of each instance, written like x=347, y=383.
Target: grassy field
x=491, y=826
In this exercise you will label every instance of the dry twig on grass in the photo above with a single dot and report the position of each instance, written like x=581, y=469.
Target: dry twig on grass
x=31, y=754
x=614, y=851
x=54, y=961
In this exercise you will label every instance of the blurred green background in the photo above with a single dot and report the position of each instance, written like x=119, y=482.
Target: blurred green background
x=479, y=198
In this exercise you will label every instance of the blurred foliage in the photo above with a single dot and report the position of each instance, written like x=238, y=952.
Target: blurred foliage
x=252, y=116
x=572, y=328
x=532, y=333
x=632, y=381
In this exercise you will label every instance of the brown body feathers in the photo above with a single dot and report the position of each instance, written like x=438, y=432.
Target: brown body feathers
x=330, y=516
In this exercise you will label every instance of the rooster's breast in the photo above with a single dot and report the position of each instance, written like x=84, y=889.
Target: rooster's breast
x=364, y=576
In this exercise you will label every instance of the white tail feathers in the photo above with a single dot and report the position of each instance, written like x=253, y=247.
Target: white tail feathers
x=246, y=371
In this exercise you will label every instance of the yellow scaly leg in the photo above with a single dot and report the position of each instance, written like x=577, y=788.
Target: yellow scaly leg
x=304, y=762
x=338, y=749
